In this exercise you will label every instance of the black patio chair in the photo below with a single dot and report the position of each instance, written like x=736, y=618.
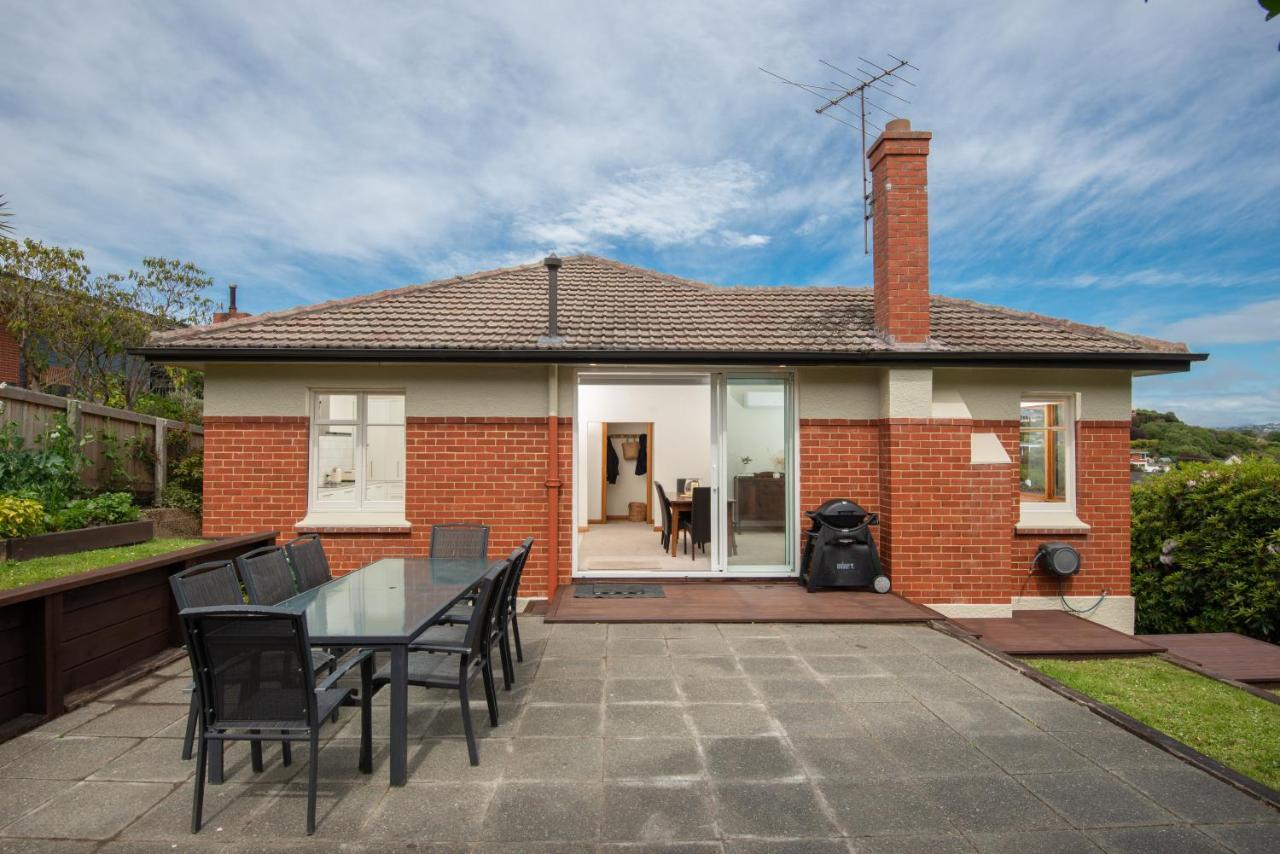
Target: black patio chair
x=250, y=664
x=513, y=605
x=665, y=504
x=310, y=564
x=459, y=540
x=452, y=663
x=268, y=579
x=697, y=525
x=463, y=614
x=201, y=586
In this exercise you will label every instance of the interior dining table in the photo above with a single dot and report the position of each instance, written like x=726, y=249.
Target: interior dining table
x=387, y=605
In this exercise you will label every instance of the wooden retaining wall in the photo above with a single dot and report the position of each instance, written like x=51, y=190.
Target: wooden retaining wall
x=62, y=635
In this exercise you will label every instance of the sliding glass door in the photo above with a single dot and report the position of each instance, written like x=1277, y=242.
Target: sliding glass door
x=757, y=481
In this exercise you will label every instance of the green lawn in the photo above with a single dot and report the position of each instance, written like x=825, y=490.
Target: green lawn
x=1237, y=729
x=20, y=573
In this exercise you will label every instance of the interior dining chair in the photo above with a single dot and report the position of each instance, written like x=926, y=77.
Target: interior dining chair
x=254, y=686
x=459, y=540
x=665, y=504
x=697, y=525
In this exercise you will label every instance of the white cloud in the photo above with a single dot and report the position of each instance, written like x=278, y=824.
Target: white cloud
x=661, y=206
x=1249, y=324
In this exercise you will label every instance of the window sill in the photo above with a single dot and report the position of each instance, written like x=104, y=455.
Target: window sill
x=338, y=522
x=1040, y=520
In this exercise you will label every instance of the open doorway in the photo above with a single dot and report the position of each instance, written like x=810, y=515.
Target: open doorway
x=638, y=433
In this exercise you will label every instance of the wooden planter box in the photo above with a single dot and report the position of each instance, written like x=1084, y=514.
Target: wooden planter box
x=61, y=635
x=79, y=540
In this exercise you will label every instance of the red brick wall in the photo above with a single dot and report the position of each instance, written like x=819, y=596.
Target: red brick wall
x=10, y=357
x=947, y=526
x=1102, y=502
x=490, y=470
x=900, y=221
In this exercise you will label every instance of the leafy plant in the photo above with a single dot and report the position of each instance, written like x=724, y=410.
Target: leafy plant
x=109, y=508
x=188, y=472
x=49, y=471
x=20, y=517
x=181, y=498
x=1206, y=549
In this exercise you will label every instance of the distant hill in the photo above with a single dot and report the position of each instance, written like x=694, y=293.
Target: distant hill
x=1165, y=435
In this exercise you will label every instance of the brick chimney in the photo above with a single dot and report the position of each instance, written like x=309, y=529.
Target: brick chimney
x=900, y=222
x=232, y=311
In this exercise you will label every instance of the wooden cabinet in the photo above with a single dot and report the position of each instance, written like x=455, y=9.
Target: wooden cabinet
x=760, y=500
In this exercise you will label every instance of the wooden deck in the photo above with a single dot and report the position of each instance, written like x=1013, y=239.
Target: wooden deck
x=1226, y=655
x=1054, y=633
x=740, y=602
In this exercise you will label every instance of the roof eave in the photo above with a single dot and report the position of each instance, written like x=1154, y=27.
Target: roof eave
x=1141, y=361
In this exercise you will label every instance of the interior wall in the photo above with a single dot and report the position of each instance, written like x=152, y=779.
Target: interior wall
x=681, y=447
x=629, y=486
x=756, y=433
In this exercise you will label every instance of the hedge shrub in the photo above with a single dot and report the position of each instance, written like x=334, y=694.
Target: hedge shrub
x=109, y=508
x=1206, y=549
x=20, y=517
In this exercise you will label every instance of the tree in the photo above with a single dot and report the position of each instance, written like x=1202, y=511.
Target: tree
x=31, y=273
x=5, y=226
x=83, y=325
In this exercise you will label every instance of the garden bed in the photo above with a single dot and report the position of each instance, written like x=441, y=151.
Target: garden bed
x=78, y=540
x=1224, y=723
x=15, y=574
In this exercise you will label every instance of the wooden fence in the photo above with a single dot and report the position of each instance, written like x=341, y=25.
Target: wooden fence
x=140, y=445
x=59, y=636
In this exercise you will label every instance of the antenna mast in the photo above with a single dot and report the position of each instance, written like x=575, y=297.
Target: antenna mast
x=881, y=80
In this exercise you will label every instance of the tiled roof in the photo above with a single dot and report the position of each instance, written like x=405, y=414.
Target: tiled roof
x=608, y=306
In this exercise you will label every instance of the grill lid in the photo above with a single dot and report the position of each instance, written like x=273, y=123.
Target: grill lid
x=840, y=513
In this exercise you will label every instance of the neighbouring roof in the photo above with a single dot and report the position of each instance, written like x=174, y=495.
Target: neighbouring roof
x=612, y=310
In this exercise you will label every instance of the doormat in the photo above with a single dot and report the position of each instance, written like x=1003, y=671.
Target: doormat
x=618, y=591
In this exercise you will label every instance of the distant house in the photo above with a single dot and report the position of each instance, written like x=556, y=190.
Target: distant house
x=974, y=431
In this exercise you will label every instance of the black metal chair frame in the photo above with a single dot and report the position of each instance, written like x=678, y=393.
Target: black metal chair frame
x=179, y=583
x=505, y=616
x=215, y=729
x=459, y=539
x=472, y=653
x=309, y=562
x=265, y=572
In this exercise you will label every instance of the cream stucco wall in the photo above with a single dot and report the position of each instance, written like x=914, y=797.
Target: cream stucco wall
x=430, y=390
x=852, y=393
x=994, y=393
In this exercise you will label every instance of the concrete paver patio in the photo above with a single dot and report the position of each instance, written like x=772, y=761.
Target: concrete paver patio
x=684, y=737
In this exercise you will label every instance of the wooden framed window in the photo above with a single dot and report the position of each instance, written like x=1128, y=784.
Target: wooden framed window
x=357, y=451
x=1045, y=444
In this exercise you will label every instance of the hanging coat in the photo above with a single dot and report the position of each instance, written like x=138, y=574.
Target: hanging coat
x=610, y=462
x=642, y=458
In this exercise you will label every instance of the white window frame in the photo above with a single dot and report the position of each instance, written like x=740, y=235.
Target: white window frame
x=1052, y=514
x=358, y=506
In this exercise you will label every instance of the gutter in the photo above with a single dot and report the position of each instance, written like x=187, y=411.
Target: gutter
x=1134, y=361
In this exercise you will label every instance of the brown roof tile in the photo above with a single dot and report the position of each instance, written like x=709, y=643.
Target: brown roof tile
x=606, y=305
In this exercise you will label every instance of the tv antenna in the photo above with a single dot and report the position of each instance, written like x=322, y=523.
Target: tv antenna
x=877, y=79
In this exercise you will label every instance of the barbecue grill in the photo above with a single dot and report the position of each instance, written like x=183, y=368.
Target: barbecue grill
x=839, y=550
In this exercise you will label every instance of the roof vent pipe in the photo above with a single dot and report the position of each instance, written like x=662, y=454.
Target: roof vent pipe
x=553, y=286
x=231, y=303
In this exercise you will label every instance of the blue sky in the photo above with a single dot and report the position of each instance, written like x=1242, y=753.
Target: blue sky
x=1110, y=161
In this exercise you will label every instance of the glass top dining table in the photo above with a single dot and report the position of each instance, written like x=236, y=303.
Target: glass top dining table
x=387, y=605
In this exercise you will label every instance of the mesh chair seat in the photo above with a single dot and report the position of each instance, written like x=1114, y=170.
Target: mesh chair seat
x=431, y=670
x=443, y=639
